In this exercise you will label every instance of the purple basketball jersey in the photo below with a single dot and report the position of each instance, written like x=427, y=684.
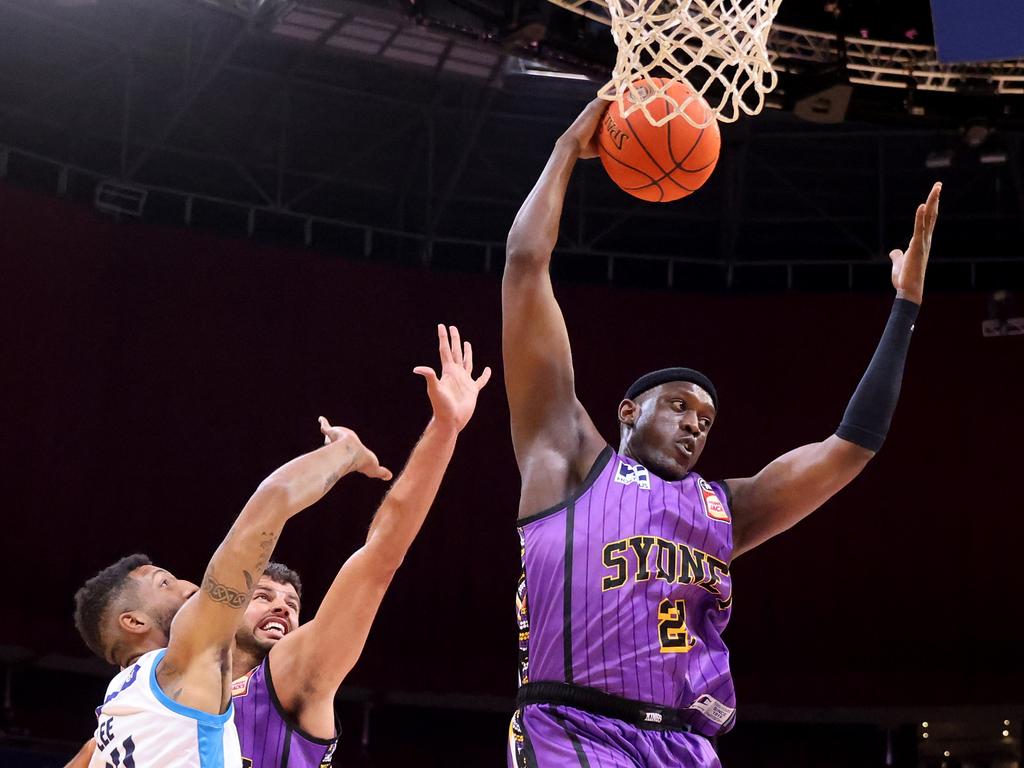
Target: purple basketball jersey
x=268, y=736
x=626, y=588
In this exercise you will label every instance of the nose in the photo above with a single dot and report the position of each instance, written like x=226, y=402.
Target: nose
x=280, y=606
x=188, y=588
x=690, y=423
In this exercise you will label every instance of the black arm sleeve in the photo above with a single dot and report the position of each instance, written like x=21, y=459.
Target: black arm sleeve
x=867, y=417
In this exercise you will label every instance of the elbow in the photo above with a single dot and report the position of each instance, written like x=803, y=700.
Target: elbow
x=526, y=256
x=384, y=560
x=273, y=497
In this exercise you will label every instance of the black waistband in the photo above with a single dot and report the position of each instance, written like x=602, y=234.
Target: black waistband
x=597, y=702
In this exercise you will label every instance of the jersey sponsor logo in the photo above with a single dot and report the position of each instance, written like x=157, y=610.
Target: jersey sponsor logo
x=628, y=474
x=713, y=507
x=240, y=687
x=713, y=709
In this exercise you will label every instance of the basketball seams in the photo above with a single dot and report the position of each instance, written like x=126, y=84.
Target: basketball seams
x=644, y=159
x=653, y=183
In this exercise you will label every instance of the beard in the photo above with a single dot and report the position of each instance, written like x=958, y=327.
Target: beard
x=165, y=618
x=247, y=642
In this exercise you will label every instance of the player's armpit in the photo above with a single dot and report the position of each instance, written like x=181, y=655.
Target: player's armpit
x=310, y=663
x=790, y=488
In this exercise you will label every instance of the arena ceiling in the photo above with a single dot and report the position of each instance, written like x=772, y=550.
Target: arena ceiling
x=413, y=129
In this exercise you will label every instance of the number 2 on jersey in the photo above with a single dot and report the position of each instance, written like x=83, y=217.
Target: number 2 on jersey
x=672, y=627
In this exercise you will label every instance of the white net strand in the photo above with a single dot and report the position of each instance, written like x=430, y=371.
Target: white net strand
x=720, y=44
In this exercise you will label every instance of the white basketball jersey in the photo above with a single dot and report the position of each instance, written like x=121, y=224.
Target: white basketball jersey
x=139, y=726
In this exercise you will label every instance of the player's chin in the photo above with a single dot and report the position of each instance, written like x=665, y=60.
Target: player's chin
x=673, y=467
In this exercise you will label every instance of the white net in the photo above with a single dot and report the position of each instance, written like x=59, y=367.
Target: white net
x=718, y=47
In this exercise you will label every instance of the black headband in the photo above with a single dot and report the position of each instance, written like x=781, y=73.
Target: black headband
x=654, y=378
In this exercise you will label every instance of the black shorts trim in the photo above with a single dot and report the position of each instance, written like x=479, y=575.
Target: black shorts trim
x=595, y=470
x=528, y=755
x=639, y=713
x=577, y=745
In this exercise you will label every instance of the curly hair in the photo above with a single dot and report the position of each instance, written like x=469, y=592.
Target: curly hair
x=94, y=599
x=282, y=574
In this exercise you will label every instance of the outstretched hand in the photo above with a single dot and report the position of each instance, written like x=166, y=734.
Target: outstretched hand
x=364, y=461
x=908, y=267
x=583, y=131
x=453, y=396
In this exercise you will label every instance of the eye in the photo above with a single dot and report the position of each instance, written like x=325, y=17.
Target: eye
x=705, y=424
x=260, y=596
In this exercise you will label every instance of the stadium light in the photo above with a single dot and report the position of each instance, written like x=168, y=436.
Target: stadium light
x=251, y=9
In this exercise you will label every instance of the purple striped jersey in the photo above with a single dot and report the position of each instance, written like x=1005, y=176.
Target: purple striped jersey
x=269, y=737
x=626, y=588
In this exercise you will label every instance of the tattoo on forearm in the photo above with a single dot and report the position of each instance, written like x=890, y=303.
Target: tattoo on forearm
x=267, y=541
x=222, y=593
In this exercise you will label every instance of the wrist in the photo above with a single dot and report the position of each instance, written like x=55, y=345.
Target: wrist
x=914, y=298
x=570, y=144
x=445, y=429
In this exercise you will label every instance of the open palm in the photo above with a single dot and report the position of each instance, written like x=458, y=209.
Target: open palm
x=453, y=396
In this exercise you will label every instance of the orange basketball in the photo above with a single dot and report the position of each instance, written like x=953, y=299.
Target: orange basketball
x=664, y=163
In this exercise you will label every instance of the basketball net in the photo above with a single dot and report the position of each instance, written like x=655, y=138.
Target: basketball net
x=719, y=48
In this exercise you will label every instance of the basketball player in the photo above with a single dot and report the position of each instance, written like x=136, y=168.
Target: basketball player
x=287, y=720
x=170, y=706
x=626, y=553
x=287, y=675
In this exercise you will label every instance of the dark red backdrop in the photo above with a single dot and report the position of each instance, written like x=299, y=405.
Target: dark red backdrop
x=153, y=377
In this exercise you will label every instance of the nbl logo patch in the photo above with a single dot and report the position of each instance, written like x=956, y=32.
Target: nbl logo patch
x=627, y=474
x=713, y=507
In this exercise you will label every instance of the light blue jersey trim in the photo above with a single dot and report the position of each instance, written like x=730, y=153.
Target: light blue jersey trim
x=211, y=745
x=203, y=718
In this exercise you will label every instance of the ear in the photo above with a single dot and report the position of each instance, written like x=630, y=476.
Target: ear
x=133, y=622
x=629, y=411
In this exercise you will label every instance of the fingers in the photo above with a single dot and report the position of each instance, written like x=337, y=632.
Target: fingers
x=485, y=376
x=426, y=372
x=456, y=346
x=467, y=356
x=375, y=469
x=443, y=346
x=932, y=205
x=895, y=254
x=324, y=424
x=919, y=221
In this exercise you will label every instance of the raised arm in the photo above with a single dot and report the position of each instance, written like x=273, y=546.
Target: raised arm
x=310, y=663
x=554, y=439
x=204, y=628
x=796, y=484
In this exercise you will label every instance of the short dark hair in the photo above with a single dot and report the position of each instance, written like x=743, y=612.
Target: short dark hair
x=282, y=574
x=94, y=598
